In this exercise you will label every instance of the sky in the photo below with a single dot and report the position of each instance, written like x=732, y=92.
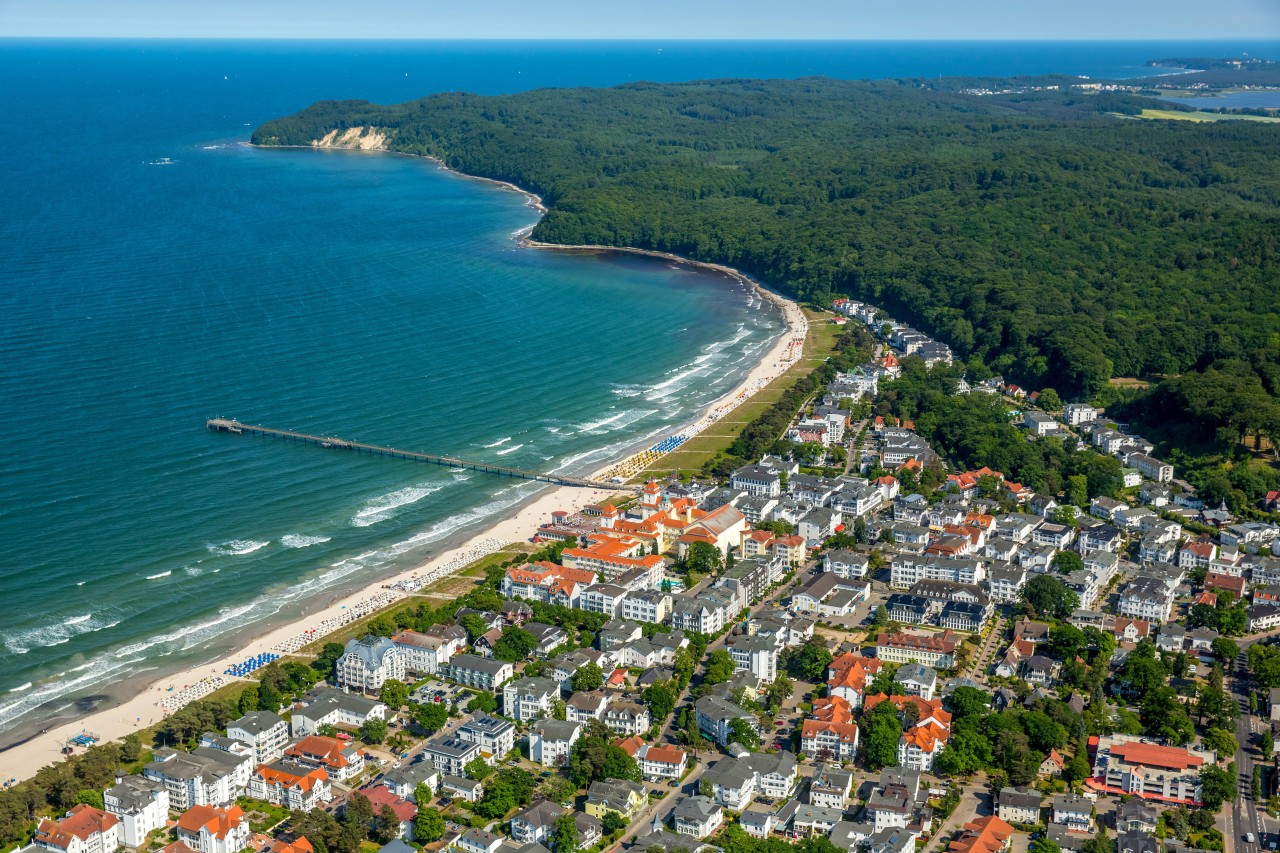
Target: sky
x=1123, y=20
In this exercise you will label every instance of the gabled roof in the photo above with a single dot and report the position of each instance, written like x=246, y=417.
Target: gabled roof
x=81, y=822
x=217, y=822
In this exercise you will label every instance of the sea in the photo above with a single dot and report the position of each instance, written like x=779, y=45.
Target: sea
x=156, y=271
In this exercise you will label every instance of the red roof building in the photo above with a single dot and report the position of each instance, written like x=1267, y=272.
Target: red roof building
x=987, y=834
x=84, y=827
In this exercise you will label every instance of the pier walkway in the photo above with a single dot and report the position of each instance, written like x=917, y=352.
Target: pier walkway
x=232, y=426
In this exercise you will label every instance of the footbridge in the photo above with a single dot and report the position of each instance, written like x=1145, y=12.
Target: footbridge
x=331, y=443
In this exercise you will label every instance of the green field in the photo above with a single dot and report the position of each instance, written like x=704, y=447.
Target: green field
x=1179, y=115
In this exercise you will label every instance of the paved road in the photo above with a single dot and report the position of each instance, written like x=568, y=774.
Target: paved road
x=1246, y=816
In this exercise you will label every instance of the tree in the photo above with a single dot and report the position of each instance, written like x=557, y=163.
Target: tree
x=1049, y=596
x=1225, y=650
x=1049, y=400
x=702, y=557
x=386, y=827
x=515, y=644
x=883, y=732
x=358, y=814
x=486, y=702
x=431, y=716
x=373, y=730
x=1066, y=562
x=613, y=822
x=661, y=701
x=1044, y=844
x=810, y=661
x=327, y=730
x=478, y=769
x=1266, y=744
x=564, y=837
x=588, y=677
x=89, y=797
x=1077, y=493
x=779, y=691
x=130, y=749
x=1218, y=785
x=1100, y=843
x=1078, y=768
x=880, y=618
x=720, y=668
x=327, y=659
x=744, y=733
x=394, y=694
x=1221, y=741
x=428, y=824
x=476, y=626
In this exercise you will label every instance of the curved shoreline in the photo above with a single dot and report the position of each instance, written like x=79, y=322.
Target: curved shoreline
x=514, y=524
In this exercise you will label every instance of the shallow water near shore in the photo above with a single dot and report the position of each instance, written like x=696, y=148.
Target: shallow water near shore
x=157, y=271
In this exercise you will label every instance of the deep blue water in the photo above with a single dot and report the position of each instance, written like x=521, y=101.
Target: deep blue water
x=154, y=271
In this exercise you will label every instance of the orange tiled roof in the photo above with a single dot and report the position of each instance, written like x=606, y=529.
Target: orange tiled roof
x=298, y=845
x=1150, y=755
x=664, y=755
x=325, y=750
x=845, y=732
x=832, y=709
x=382, y=796
x=630, y=745
x=218, y=822
x=982, y=835
x=81, y=822
x=850, y=670
x=304, y=782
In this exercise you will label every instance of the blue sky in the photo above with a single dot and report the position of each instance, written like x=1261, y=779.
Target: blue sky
x=651, y=19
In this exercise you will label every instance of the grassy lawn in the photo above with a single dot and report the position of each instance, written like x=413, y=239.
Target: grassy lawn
x=262, y=815
x=693, y=454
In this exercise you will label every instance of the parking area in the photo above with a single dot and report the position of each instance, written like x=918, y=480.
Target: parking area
x=434, y=690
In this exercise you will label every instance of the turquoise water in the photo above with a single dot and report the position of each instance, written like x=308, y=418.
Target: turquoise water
x=155, y=271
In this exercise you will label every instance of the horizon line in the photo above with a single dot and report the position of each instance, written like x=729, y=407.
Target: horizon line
x=1252, y=39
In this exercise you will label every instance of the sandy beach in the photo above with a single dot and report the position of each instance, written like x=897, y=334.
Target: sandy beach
x=165, y=695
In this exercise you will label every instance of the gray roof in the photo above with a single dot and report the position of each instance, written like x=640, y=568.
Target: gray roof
x=256, y=722
x=325, y=700
x=370, y=649
x=555, y=730
x=1025, y=798
x=134, y=792
x=412, y=774
x=397, y=845
x=695, y=809
x=1072, y=803
x=476, y=663
x=541, y=813
x=916, y=672
x=821, y=814
x=458, y=783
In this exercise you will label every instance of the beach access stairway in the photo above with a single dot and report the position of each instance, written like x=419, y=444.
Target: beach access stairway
x=233, y=426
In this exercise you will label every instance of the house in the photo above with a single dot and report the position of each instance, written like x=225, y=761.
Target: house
x=367, y=663
x=917, y=680
x=1131, y=630
x=830, y=734
x=1145, y=598
x=660, y=763
x=615, y=795
x=893, y=802
x=1076, y=414
x=326, y=706
x=758, y=655
x=757, y=480
x=479, y=841
x=586, y=705
x=403, y=781
x=1040, y=670
x=756, y=824
x=935, y=650
x=809, y=820
x=1128, y=766
x=547, y=582
x=1263, y=617
x=626, y=717
x=535, y=823
x=846, y=564
x=1019, y=805
x=381, y=797
x=481, y=673
x=141, y=805
x=84, y=829
x=922, y=740
x=550, y=741
x=829, y=788
x=451, y=753
x=495, y=736
x=1136, y=815
x=265, y=732
x=339, y=760
x=423, y=653
x=461, y=788
x=204, y=776
x=1073, y=811
x=734, y=781
x=697, y=816
x=715, y=714
x=847, y=677
x=290, y=784
x=987, y=834
x=526, y=699
x=206, y=829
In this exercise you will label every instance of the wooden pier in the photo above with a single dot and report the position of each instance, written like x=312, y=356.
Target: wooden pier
x=329, y=442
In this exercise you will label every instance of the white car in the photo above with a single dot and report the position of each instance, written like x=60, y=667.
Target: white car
x=1248, y=836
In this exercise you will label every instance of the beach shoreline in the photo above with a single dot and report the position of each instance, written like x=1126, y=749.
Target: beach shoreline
x=110, y=721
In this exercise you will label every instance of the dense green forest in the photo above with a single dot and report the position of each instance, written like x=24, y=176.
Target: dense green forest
x=1039, y=234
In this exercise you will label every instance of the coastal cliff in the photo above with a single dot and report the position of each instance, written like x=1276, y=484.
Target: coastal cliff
x=361, y=138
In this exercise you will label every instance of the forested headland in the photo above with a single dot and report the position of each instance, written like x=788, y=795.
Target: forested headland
x=1039, y=234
